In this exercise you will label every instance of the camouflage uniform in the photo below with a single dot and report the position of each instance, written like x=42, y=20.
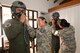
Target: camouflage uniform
x=17, y=35
x=44, y=37
x=67, y=40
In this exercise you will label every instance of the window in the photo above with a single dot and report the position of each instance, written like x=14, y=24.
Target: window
x=32, y=17
x=6, y=14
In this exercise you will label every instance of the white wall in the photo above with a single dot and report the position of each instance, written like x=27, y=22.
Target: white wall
x=72, y=14
x=39, y=5
x=0, y=35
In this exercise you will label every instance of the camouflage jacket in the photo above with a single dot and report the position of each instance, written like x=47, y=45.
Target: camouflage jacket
x=67, y=40
x=44, y=38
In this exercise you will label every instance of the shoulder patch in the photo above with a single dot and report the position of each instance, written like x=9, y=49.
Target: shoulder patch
x=7, y=24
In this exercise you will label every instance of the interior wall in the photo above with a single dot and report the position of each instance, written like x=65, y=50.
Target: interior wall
x=0, y=28
x=72, y=14
x=39, y=5
x=0, y=35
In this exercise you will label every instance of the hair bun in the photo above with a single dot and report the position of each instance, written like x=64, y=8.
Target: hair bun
x=64, y=23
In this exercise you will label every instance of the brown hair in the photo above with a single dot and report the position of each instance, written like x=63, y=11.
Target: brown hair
x=43, y=18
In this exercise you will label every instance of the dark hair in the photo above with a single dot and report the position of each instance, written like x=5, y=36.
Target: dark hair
x=64, y=23
x=55, y=15
x=43, y=18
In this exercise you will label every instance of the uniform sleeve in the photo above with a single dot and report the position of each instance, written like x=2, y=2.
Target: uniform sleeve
x=32, y=31
x=12, y=31
x=55, y=32
x=67, y=31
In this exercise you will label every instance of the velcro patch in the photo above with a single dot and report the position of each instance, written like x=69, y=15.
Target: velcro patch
x=7, y=24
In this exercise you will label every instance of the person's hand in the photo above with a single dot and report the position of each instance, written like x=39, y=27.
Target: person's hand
x=22, y=18
x=53, y=23
x=32, y=44
x=27, y=22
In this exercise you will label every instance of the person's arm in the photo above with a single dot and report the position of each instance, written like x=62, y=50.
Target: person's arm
x=12, y=30
x=31, y=30
x=67, y=31
x=54, y=32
